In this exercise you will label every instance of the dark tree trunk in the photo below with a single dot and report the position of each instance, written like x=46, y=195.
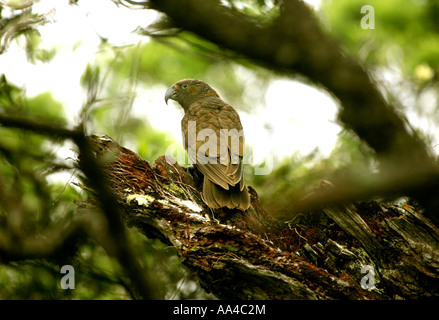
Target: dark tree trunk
x=251, y=255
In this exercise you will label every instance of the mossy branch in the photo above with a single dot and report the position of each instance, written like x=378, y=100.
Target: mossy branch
x=250, y=255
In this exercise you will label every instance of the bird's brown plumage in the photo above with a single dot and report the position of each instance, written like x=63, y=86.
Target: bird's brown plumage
x=214, y=139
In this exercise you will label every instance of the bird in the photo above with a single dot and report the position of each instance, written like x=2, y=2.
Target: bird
x=214, y=140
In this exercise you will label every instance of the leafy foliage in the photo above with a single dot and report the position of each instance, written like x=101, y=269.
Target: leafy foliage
x=34, y=201
x=398, y=36
x=400, y=47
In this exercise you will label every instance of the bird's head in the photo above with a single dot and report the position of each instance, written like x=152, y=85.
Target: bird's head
x=187, y=91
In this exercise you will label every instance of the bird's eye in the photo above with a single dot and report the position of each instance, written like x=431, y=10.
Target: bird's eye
x=184, y=86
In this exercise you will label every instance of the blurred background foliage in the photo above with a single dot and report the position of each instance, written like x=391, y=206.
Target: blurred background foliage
x=403, y=49
x=37, y=193
x=405, y=33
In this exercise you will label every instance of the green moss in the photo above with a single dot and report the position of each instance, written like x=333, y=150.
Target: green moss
x=231, y=248
x=174, y=189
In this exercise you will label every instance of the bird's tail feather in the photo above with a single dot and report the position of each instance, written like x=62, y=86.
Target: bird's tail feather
x=216, y=197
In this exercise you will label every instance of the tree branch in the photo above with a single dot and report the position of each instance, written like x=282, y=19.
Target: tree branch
x=112, y=233
x=249, y=255
x=294, y=43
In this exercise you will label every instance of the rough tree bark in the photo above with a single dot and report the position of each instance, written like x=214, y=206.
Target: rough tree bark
x=251, y=255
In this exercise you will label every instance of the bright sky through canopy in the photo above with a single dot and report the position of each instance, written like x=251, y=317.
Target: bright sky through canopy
x=299, y=117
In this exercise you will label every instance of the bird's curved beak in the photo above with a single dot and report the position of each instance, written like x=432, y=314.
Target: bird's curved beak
x=170, y=94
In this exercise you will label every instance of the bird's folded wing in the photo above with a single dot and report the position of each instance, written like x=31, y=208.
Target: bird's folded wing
x=221, y=174
x=216, y=146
